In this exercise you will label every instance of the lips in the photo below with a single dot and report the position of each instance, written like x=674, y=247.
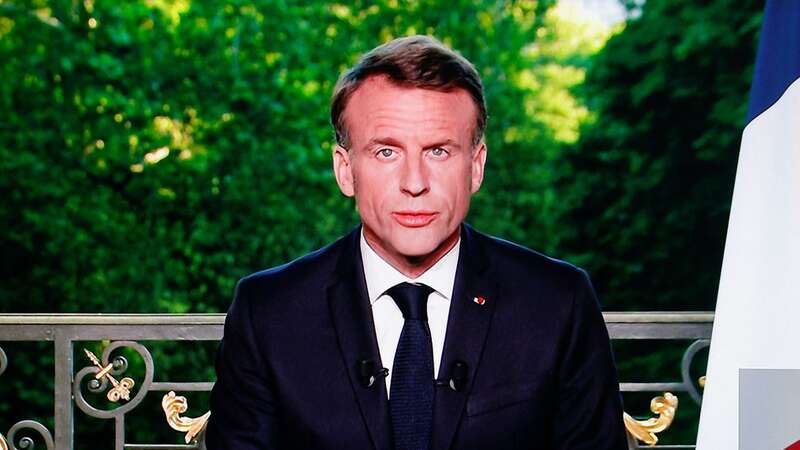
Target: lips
x=414, y=219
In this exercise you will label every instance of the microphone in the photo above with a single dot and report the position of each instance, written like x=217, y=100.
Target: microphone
x=367, y=372
x=458, y=376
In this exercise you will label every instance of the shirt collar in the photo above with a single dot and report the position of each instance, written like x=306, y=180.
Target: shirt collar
x=380, y=275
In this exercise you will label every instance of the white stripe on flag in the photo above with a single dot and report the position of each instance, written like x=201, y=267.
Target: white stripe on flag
x=757, y=324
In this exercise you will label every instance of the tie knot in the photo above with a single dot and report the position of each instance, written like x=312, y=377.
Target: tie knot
x=412, y=299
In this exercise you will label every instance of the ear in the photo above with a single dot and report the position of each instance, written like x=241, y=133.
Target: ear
x=343, y=170
x=478, y=162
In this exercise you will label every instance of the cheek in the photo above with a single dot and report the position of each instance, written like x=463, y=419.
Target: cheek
x=458, y=187
x=371, y=190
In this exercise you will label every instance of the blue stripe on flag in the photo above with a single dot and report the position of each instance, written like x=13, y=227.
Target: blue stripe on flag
x=778, y=63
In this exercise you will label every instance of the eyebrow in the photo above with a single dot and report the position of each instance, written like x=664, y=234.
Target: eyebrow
x=384, y=141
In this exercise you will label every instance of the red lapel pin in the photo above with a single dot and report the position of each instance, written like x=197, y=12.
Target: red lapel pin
x=479, y=300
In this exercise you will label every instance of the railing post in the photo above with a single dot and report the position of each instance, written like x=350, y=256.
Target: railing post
x=63, y=390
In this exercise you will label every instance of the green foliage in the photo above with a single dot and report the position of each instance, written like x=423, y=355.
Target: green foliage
x=649, y=184
x=534, y=115
x=155, y=152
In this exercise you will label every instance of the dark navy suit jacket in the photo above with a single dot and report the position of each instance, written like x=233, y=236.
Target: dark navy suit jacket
x=540, y=373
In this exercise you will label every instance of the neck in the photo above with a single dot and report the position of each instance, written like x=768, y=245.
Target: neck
x=412, y=266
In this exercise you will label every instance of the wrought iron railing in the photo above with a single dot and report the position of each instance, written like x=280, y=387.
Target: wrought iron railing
x=106, y=373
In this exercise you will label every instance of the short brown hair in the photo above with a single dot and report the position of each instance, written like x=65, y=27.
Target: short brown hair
x=413, y=61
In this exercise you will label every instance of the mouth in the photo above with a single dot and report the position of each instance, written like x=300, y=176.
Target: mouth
x=414, y=219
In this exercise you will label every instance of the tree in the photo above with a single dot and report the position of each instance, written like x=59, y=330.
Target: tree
x=649, y=183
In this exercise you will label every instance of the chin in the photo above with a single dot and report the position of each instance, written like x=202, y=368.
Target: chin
x=418, y=244
x=415, y=251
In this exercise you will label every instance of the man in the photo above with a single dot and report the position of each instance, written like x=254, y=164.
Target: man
x=487, y=344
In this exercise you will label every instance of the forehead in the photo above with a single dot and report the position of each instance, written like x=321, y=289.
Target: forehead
x=380, y=107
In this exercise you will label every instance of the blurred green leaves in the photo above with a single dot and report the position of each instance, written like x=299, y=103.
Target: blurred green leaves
x=650, y=181
x=154, y=152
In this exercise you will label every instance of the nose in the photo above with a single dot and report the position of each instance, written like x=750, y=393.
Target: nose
x=413, y=177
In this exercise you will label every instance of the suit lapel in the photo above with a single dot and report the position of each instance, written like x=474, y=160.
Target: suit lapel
x=467, y=327
x=355, y=330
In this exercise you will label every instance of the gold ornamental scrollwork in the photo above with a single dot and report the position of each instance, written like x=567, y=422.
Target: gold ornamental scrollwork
x=121, y=389
x=173, y=406
x=646, y=430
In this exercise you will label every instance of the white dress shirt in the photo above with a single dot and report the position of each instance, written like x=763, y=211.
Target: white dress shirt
x=388, y=318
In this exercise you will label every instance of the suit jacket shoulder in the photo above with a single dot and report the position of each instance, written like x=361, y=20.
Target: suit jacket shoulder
x=521, y=261
x=292, y=288
x=542, y=282
x=319, y=262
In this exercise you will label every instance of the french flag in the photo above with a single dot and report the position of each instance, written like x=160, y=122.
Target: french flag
x=757, y=324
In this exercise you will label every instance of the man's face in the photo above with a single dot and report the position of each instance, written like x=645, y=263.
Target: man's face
x=411, y=167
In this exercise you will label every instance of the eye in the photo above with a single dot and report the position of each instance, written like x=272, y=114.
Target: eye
x=439, y=152
x=385, y=153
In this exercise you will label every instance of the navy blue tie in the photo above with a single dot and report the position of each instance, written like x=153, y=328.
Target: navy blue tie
x=411, y=391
